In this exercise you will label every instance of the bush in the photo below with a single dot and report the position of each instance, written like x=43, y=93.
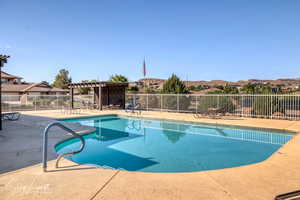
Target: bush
x=223, y=103
x=265, y=106
x=133, y=89
x=170, y=102
x=42, y=101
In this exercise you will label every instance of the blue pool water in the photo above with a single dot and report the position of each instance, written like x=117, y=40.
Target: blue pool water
x=170, y=146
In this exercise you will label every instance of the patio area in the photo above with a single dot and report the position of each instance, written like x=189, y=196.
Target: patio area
x=21, y=147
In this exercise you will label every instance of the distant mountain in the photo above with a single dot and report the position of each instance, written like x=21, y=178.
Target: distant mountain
x=292, y=82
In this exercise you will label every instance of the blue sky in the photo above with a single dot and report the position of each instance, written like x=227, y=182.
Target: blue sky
x=198, y=40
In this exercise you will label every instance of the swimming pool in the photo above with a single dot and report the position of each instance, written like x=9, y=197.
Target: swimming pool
x=151, y=145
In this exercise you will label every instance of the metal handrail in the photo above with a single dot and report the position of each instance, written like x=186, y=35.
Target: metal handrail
x=45, y=142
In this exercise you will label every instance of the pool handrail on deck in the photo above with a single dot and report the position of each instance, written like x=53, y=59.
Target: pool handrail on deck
x=45, y=142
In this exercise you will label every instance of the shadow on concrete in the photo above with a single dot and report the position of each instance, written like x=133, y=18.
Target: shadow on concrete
x=21, y=141
x=69, y=169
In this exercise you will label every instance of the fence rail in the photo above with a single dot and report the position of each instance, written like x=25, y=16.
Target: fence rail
x=34, y=102
x=43, y=102
x=261, y=106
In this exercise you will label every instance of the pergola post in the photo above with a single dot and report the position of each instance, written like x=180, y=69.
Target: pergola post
x=100, y=98
x=72, y=97
x=107, y=96
x=95, y=97
x=124, y=98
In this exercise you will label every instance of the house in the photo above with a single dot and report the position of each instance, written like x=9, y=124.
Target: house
x=10, y=79
x=42, y=88
x=25, y=91
x=155, y=83
x=13, y=89
x=13, y=85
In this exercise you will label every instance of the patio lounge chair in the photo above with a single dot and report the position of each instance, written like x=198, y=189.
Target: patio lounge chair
x=212, y=113
x=12, y=116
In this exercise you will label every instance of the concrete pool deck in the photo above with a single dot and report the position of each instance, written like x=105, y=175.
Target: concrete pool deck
x=278, y=174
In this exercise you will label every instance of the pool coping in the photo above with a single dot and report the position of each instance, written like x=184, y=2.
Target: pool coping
x=179, y=121
x=227, y=181
x=283, y=130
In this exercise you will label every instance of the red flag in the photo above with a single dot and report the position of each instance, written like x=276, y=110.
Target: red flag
x=144, y=68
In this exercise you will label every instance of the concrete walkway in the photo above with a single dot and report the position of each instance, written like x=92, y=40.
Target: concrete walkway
x=21, y=141
x=279, y=174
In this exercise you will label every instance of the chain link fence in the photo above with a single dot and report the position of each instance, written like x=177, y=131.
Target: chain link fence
x=260, y=106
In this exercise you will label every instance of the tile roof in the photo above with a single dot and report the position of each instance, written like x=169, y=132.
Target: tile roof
x=33, y=87
x=9, y=76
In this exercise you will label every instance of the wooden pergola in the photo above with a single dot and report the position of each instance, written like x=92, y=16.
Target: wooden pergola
x=105, y=93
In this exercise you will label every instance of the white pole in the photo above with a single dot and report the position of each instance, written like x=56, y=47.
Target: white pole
x=196, y=103
x=147, y=95
x=161, y=102
x=242, y=104
x=177, y=102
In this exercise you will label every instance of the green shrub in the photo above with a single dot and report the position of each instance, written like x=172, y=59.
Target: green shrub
x=175, y=86
x=223, y=103
x=267, y=106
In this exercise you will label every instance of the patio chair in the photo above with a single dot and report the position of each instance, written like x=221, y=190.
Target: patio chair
x=12, y=116
x=91, y=106
x=115, y=106
x=213, y=113
x=201, y=114
x=132, y=108
x=84, y=105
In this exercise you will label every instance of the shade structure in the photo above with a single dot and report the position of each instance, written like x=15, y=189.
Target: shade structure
x=106, y=94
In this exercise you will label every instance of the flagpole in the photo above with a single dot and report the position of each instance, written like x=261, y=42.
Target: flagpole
x=144, y=73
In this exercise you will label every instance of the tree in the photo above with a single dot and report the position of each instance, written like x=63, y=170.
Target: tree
x=201, y=87
x=192, y=87
x=222, y=103
x=174, y=86
x=255, y=88
x=133, y=89
x=149, y=89
x=62, y=79
x=249, y=88
x=118, y=78
x=84, y=90
x=228, y=89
